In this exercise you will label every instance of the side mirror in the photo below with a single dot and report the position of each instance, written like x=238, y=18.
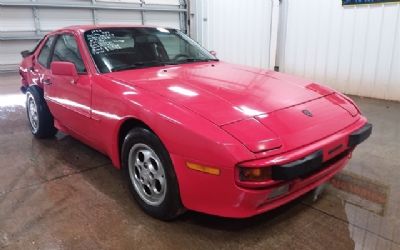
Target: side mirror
x=64, y=69
x=214, y=53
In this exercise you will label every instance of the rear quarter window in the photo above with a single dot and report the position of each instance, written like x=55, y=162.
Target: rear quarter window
x=44, y=54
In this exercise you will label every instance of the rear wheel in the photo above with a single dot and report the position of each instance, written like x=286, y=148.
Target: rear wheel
x=150, y=174
x=40, y=119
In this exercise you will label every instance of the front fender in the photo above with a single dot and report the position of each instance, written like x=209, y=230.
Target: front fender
x=182, y=131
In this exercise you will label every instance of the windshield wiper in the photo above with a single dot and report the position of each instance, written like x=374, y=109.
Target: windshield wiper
x=188, y=60
x=138, y=65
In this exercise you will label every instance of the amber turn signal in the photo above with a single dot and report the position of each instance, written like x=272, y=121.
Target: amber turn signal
x=204, y=169
x=254, y=174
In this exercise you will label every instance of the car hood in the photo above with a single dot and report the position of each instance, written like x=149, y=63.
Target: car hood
x=223, y=93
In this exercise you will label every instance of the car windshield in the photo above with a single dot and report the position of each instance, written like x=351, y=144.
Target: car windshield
x=116, y=49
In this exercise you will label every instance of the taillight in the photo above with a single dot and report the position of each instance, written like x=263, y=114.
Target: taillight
x=254, y=174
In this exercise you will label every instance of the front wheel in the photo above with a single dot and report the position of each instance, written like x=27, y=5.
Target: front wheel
x=150, y=174
x=40, y=119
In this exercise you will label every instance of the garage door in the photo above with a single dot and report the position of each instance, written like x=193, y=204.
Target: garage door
x=240, y=31
x=23, y=22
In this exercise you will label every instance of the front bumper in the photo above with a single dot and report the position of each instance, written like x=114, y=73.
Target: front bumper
x=223, y=196
x=315, y=161
x=360, y=135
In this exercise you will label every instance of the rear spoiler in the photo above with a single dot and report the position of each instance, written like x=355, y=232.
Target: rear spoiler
x=26, y=53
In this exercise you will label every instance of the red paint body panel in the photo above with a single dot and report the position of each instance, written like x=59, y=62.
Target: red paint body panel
x=215, y=114
x=234, y=92
x=254, y=135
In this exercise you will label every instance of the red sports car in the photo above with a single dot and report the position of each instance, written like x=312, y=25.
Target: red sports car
x=189, y=131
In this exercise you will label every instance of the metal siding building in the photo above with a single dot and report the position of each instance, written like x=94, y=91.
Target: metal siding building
x=354, y=49
x=239, y=31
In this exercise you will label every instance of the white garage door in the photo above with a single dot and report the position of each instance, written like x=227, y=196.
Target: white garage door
x=23, y=22
x=240, y=31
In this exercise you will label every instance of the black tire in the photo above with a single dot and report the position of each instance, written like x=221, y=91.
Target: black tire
x=44, y=126
x=170, y=206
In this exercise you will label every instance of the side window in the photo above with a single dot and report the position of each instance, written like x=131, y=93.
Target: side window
x=66, y=50
x=44, y=54
x=173, y=45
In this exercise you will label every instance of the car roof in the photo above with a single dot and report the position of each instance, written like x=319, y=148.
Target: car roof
x=83, y=28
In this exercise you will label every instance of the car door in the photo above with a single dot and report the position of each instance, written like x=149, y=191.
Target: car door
x=70, y=101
